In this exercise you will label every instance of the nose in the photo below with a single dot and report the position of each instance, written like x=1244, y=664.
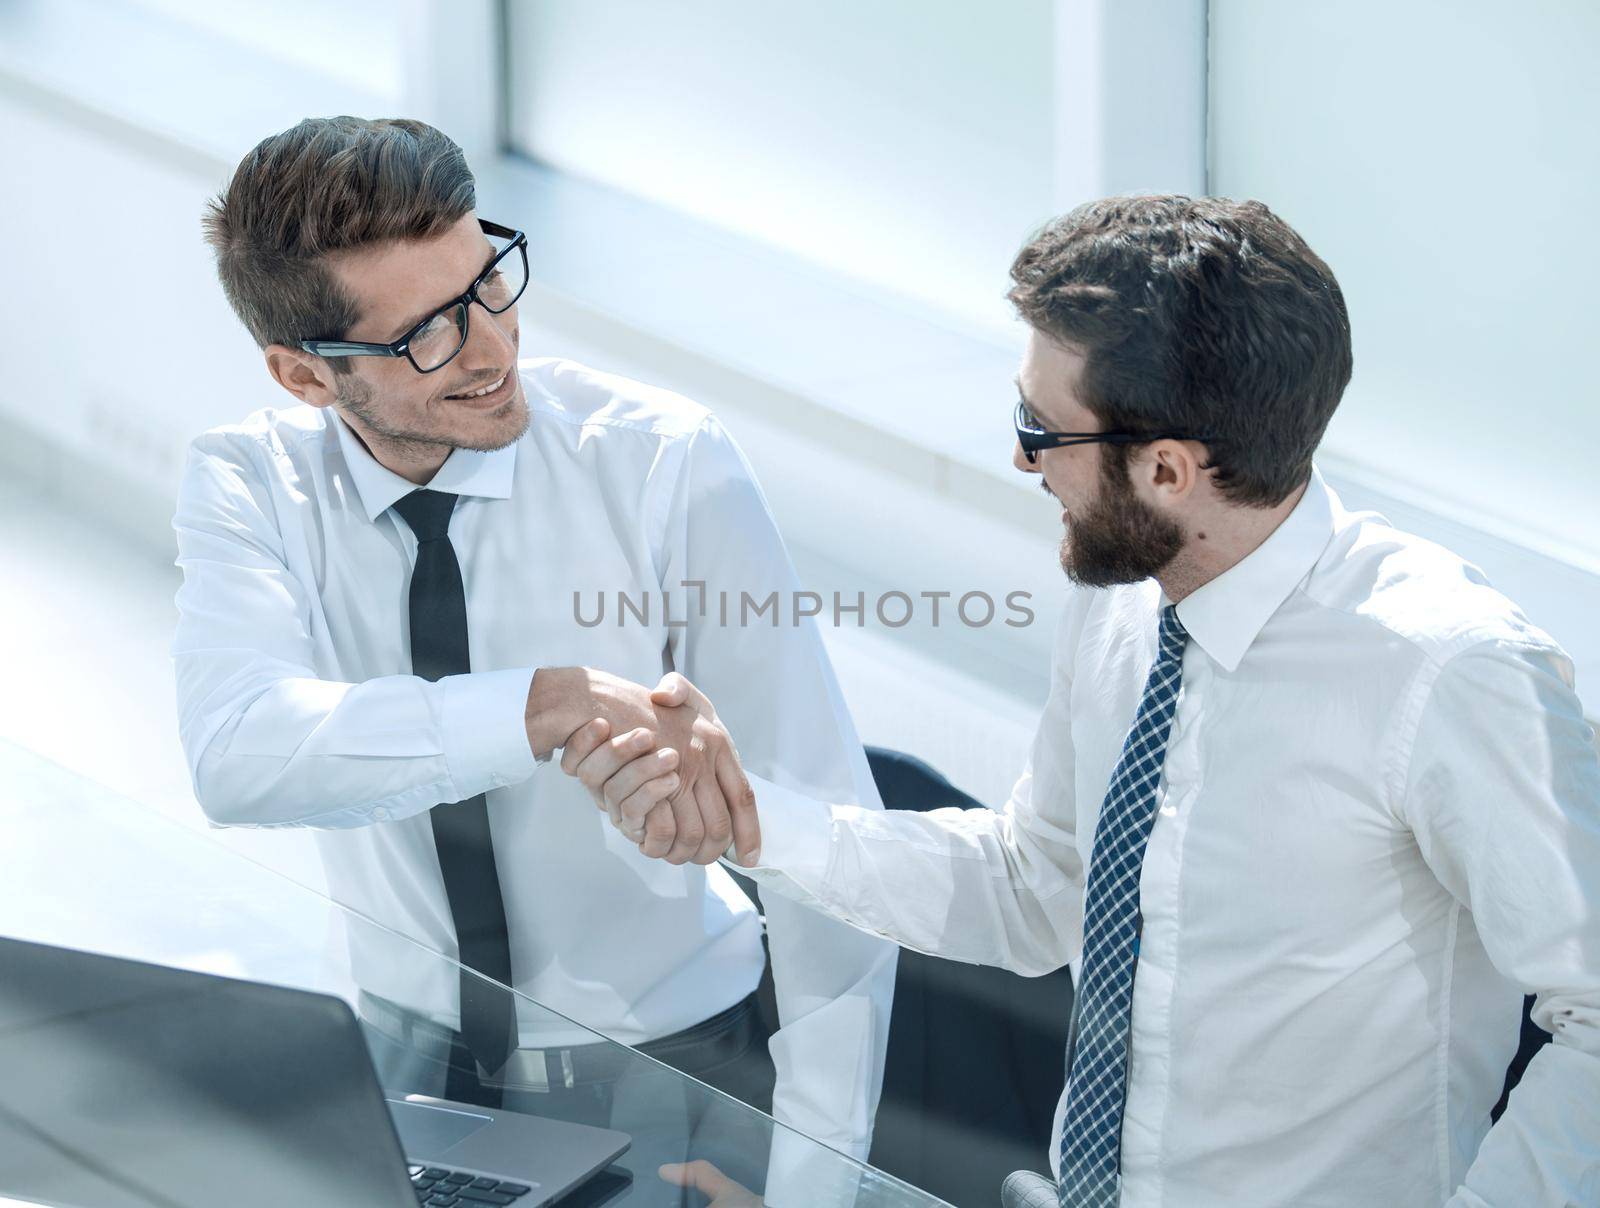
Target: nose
x=1020, y=460
x=491, y=338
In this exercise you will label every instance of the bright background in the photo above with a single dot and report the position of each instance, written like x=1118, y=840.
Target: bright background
x=802, y=215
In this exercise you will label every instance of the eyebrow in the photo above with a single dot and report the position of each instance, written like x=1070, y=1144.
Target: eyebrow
x=1026, y=402
x=410, y=323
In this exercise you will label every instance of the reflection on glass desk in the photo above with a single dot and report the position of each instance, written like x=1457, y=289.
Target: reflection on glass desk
x=89, y=869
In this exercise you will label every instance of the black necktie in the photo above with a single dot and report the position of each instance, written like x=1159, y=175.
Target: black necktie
x=461, y=830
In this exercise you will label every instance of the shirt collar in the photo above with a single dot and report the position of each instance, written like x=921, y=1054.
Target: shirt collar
x=464, y=472
x=1227, y=614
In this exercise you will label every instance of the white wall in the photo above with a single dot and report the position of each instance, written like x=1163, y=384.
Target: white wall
x=1130, y=98
x=904, y=141
x=909, y=144
x=131, y=348
x=1441, y=156
x=160, y=357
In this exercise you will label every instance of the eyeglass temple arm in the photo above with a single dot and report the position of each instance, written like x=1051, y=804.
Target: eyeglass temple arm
x=346, y=348
x=1058, y=440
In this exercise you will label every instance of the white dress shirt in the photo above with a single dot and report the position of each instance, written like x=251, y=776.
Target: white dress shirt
x=1378, y=825
x=297, y=708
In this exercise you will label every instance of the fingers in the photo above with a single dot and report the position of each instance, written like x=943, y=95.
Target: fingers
x=699, y=1174
x=616, y=772
x=714, y=816
x=743, y=820
x=658, y=820
x=594, y=761
x=674, y=811
x=647, y=810
x=606, y=759
x=638, y=788
x=690, y=830
x=660, y=828
x=630, y=781
x=581, y=742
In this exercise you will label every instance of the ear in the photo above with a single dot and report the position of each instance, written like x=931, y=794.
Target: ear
x=307, y=377
x=1169, y=470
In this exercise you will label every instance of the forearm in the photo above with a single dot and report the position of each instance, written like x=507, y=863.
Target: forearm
x=300, y=751
x=968, y=885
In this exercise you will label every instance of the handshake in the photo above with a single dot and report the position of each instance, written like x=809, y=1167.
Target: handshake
x=659, y=762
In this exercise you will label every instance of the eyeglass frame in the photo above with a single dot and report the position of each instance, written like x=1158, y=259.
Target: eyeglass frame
x=1036, y=440
x=402, y=346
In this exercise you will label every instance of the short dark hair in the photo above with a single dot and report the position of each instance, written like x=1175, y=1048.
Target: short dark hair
x=1200, y=315
x=328, y=184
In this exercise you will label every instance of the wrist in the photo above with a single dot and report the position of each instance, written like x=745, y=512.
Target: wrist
x=555, y=707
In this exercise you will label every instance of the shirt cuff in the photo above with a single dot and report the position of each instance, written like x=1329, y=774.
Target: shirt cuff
x=796, y=833
x=485, y=729
x=802, y=1172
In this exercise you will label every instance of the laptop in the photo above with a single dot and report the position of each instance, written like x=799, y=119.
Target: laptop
x=130, y=1085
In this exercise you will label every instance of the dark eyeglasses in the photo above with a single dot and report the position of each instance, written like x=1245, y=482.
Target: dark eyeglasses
x=432, y=343
x=1034, y=439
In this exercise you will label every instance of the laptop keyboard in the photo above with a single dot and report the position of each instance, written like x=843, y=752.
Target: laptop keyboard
x=439, y=1187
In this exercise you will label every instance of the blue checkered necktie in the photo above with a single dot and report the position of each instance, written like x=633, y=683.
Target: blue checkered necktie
x=1097, y=1060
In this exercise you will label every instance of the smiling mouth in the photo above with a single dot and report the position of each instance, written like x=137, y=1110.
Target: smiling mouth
x=486, y=390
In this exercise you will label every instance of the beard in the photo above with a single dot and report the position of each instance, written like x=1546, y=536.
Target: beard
x=356, y=398
x=1119, y=538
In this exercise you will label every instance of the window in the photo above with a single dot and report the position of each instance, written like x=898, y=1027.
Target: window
x=356, y=42
x=1442, y=163
x=905, y=143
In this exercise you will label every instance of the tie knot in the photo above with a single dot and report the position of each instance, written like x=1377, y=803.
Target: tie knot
x=427, y=513
x=1173, y=634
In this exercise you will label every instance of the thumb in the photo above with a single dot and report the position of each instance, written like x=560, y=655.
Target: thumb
x=672, y=690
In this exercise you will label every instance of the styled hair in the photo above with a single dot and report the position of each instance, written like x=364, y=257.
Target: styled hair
x=1204, y=316
x=327, y=185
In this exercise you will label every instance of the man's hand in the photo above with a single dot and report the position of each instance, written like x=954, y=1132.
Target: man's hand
x=562, y=699
x=708, y=1180
x=674, y=807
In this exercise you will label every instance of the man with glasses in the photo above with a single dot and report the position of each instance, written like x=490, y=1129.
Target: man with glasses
x=380, y=638
x=1313, y=803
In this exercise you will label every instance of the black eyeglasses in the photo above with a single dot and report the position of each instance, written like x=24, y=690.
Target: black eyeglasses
x=1034, y=439
x=432, y=343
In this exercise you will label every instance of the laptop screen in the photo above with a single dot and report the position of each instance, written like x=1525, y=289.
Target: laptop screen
x=128, y=1084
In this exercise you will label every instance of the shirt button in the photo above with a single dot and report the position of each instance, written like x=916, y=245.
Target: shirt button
x=381, y=814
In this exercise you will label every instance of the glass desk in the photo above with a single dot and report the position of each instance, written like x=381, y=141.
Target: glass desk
x=86, y=868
